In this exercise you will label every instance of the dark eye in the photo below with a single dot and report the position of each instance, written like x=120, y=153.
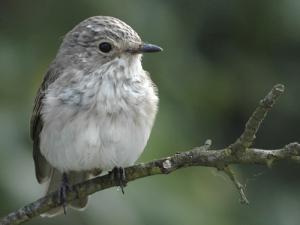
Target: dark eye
x=105, y=47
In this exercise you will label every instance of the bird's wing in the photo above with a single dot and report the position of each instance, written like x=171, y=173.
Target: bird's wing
x=42, y=167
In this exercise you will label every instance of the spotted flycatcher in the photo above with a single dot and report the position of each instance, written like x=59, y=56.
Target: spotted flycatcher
x=95, y=108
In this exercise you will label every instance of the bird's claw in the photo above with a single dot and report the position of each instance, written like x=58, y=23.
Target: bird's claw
x=62, y=194
x=118, y=174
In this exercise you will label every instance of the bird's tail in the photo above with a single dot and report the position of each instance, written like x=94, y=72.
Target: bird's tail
x=54, y=184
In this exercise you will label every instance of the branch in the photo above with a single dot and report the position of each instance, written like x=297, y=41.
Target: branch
x=199, y=156
x=257, y=117
x=237, y=184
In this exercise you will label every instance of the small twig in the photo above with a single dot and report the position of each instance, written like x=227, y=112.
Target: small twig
x=207, y=144
x=253, y=124
x=237, y=184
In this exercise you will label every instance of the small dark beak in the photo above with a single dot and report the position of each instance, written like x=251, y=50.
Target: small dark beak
x=144, y=48
x=150, y=48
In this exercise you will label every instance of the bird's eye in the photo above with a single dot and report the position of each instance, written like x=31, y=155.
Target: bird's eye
x=105, y=47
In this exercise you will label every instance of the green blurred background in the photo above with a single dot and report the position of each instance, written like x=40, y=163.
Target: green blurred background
x=219, y=59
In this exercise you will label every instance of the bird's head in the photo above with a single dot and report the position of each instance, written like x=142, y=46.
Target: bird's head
x=99, y=40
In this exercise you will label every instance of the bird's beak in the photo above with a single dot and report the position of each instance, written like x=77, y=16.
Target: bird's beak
x=150, y=48
x=144, y=48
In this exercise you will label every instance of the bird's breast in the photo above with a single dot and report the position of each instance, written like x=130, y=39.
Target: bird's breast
x=100, y=122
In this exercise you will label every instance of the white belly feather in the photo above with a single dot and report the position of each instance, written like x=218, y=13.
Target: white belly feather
x=101, y=122
x=87, y=142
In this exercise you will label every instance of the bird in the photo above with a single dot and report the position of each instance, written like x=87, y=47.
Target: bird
x=95, y=108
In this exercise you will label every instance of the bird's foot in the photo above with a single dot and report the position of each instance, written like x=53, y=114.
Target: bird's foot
x=64, y=188
x=118, y=174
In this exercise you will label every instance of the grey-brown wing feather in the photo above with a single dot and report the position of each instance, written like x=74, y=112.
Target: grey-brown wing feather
x=42, y=167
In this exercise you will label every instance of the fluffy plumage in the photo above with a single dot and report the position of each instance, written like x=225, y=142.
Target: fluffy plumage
x=94, y=110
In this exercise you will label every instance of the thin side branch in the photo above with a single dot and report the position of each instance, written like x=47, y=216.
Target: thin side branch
x=200, y=156
x=257, y=117
x=237, y=184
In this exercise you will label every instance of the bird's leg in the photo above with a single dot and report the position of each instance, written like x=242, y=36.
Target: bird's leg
x=64, y=188
x=118, y=174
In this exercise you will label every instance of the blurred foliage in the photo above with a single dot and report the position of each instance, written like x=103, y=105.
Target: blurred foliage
x=219, y=59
